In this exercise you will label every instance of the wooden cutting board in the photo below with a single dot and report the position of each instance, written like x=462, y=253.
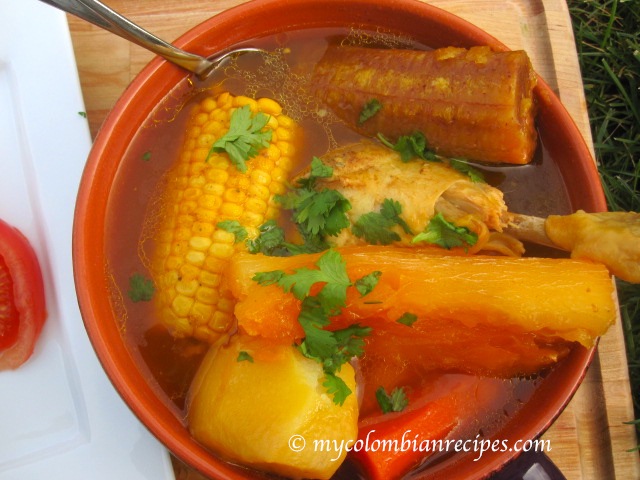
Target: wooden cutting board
x=590, y=440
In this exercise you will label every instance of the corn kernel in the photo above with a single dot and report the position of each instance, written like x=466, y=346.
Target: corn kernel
x=200, y=118
x=200, y=154
x=221, y=250
x=202, y=229
x=182, y=305
x=187, y=287
x=287, y=122
x=260, y=177
x=259, y=191
x=207, y=295
x=206, y=215
x=226, y=304
x=234, y=195
x=221, y=322
x=209, y=279
x=200, y=244
x=210, y=202
x=272, y=152
x=272, y=123
x=286, y=148
x=241, y=101
x=231, y=210
x=173, y=262
x=216, y=176
x=222, y=236
x=189, y=271
x=208, y=104
x=195, y=258
x=269, y=106
x=284, y=134
x=252, y=219
x=256, y=205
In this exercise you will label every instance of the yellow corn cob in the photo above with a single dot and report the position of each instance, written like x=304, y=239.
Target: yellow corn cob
x=192, y=253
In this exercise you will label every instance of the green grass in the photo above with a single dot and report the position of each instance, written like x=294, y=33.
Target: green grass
x=608, y=42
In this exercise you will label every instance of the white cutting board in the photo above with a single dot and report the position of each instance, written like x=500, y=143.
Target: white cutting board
x=60, y=418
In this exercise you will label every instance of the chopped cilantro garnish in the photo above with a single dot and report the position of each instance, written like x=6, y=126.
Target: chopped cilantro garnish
x=411, y=146
x=367, y=283
x=317, y=213
x=271, y=241
x=446, y=234
x=245, y=137
x=234, y=226
x=396, y=402
x=331, y=349
x=141, y=289
x=407, y=319
x=370, y=108
x=416, y=146
x=244, y=357
x=146, y=156
x=319, y=169
x=375, y=227
x=83, y=114
x=462, y=166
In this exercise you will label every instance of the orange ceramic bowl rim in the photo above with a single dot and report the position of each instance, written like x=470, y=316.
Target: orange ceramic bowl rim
x=427, y=24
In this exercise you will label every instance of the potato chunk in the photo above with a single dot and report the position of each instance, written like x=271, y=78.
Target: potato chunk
x=257, y=402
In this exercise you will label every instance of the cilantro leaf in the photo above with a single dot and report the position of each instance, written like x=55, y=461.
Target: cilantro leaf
x=350, y=341
x=370, y=108
x=141, y=289
x=268, y=278
x=331, y=349
x=392, y=210
x=375, y=227
x=367, y=283
x=335, y=386
x=245, y=137
x=244, y=357
x=396, y=402
x=233, y=226
x=332, y=270
x=446, y=234
x=318, y=343
x=270, y=239
x=407, y=319
x=271, y=242
x=474, y=174
x=316, y=213
x=411, y=146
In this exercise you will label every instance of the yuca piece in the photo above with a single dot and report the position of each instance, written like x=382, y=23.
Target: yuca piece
x=475, y=104
x=480, y=314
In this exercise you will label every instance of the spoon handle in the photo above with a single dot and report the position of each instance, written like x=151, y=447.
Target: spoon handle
x=97, y=13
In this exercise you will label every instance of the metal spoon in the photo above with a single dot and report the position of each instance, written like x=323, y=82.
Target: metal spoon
x=94, y=11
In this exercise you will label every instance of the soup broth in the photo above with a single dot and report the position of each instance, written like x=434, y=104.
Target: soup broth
x=170, y=364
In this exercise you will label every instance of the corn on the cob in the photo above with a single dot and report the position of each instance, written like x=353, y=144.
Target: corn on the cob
x=204, y=188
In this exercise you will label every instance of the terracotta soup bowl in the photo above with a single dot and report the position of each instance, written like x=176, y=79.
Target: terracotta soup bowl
x=107, y=205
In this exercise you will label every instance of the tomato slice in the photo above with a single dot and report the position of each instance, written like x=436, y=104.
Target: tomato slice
x=22, y=299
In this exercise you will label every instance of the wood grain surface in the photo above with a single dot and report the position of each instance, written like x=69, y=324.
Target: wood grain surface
x=590, y=440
